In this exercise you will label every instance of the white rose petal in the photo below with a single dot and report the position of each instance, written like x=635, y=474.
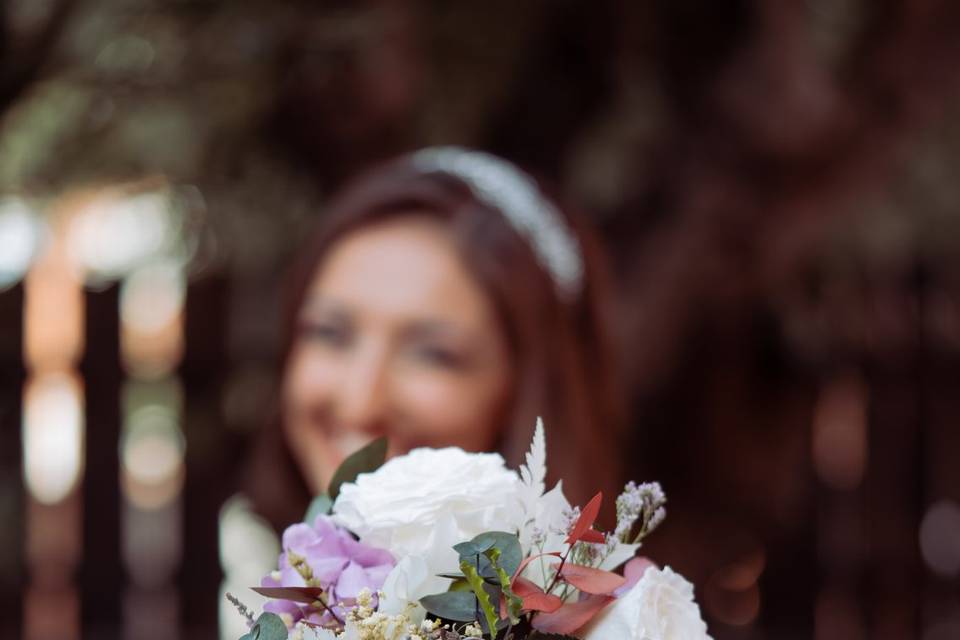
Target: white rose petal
x=409, y=581
x=423, y=503
x=659, y=607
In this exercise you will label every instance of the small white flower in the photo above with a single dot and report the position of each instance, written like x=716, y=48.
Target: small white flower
x=643, y=503
x=659, y=607
x=314, y=633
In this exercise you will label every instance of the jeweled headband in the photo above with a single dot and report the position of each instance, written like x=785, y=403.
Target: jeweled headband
x=505, y=187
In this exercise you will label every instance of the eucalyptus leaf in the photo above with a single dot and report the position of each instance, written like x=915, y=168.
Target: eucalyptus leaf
x=473, y=547
x=319, y=506
x=485, y=568
x=269, y=626
x=459, y=606
x=508, y=544
x=366, y=460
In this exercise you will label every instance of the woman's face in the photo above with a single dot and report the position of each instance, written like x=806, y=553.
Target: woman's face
x=395, y=338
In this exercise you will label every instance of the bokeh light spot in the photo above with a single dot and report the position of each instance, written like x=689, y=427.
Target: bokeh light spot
x=52, y=436
x=940, y=538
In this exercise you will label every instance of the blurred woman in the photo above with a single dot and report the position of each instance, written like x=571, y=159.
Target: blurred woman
x=444, y=300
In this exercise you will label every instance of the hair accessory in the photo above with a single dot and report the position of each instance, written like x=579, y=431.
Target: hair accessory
x=505, y=187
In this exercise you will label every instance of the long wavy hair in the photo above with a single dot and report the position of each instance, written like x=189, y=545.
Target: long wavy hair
x=559, y=347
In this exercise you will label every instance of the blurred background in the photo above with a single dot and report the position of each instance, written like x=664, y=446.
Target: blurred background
x=776, y=180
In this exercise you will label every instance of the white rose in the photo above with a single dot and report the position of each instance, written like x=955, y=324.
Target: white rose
x=659, y=607
x=423, y=503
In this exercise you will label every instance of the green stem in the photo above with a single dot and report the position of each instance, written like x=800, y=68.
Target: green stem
x=476, y=608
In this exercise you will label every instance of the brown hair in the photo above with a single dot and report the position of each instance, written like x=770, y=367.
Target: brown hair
x=562, y=363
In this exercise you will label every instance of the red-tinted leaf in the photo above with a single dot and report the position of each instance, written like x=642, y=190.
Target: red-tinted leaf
x=587, y=517
x=590, y=580
x=296, y=594
x=545, y=602
x=523, y=587
x=570, y=617
x=534, y=599
x=592, y=535
x=528, y=560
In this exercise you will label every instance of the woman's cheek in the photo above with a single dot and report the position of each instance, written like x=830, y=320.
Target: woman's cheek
x=306, y=395
x=312, y=453
x=310, y=377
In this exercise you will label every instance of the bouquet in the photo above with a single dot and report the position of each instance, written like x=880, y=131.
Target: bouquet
x=441, y=544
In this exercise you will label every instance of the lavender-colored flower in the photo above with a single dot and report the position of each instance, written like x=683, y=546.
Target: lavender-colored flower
x=326, y=556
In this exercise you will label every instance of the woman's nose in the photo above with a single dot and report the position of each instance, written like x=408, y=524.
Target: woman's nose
x=361, y=402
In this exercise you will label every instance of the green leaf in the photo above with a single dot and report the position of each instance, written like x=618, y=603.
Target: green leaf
x=366, y=460
x=318, y=506
x=460, y=584
x=269, y=626
x=473, y=547
x=483, y=598
x=459, y=606
x=507, y=544
x=514, y=603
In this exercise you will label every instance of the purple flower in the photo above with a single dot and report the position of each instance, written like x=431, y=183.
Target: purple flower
x=338, y=564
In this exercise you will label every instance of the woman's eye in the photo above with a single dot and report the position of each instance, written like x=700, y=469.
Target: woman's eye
x=441, y=356
x=325, y=333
